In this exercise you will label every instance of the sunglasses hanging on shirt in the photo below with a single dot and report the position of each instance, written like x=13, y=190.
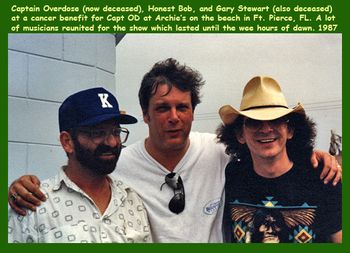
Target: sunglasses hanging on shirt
x=177, y=203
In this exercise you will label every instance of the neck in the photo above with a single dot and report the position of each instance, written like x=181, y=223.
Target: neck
x=97, y=187
x=272, y=167
x=169, y=158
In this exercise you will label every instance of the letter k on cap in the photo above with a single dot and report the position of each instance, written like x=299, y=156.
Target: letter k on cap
x=104, y=101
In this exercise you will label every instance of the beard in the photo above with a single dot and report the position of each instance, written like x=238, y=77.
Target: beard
x=90, y=159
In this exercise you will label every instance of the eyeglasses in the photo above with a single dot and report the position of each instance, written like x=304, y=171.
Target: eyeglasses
x=99, y=135
x=257, y=124
x=177, y=203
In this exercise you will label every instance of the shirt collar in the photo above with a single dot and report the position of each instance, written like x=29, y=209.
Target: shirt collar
x=119, y=189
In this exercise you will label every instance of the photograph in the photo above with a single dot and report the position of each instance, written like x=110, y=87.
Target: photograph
x=175, y=138
x=176, y=125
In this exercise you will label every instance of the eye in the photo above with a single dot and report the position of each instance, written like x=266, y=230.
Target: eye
x=182, y=108
x=252, y=123
x=280, y=121
x=116, y=131
x=96, y=133
x=162, y=108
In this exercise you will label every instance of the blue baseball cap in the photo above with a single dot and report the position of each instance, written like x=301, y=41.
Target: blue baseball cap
x=91, y=107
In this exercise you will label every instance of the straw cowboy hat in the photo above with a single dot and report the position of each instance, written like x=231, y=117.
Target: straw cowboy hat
x=262, y=100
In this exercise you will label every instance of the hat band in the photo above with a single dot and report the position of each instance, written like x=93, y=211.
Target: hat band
x=264, y=106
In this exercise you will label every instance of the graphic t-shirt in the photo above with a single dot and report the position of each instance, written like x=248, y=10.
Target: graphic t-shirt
x=296, y=207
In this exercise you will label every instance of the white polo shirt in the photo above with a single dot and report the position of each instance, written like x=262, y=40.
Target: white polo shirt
x=202, y=170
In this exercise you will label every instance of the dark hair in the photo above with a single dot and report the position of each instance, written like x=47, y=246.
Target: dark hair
x=171, y=73
x=299, y=148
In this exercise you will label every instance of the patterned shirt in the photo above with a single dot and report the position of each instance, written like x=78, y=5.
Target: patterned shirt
x=70, y=215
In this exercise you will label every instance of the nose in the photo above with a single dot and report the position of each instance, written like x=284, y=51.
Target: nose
x=269, y=229
x=112, y=140
x=265, y=127
x=173, y=116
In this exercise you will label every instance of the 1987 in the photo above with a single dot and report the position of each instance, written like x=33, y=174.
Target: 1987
x=327, y=27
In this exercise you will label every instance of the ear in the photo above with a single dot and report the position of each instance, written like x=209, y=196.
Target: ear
x=240, y=137
x=290, y=134
x=67, y=142
x=146, y=117
x=192, y=114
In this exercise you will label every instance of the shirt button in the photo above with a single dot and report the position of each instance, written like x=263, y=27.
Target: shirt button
x=107, y=221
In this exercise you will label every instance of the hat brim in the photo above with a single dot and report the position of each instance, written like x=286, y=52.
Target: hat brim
x=228, y=114
x=126, y=119
x=120, y=118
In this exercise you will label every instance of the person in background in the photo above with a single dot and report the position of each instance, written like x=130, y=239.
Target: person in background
x=84, y=203
x=272, y=194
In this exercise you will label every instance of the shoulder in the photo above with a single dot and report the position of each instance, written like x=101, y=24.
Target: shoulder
x=205, y=139
x=120, y=184
x=51, y=184
x=130, y=154
x=234, y=168
x=130, y=149
x=307, y=172
x=310, y=176
x=125, y=189
x=130, y=160
x=209, y=144
x=202, y=136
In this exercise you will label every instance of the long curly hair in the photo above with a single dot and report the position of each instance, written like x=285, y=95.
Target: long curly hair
x=299, y=148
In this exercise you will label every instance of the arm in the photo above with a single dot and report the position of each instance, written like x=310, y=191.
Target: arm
x=337, y=237
x=28, y=195
x=331, y=169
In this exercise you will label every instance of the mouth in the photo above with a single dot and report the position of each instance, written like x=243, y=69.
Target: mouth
x=271, y=239
x=107, y=156
x=266, y=140
x=174, y=131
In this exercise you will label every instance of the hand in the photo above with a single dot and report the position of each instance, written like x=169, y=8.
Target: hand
x=331, y=168
x=25, y=193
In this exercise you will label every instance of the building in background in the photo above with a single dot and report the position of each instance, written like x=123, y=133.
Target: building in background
x=43, y=69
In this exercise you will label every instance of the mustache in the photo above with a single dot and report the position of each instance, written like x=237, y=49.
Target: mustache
x=106, y=149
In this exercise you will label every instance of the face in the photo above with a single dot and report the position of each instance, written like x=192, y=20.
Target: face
x=169, y=118
x=97, y=154
x=270, y=230
x=265, y=139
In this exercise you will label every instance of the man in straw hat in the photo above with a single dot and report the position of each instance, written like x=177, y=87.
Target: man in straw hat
x=271, y=192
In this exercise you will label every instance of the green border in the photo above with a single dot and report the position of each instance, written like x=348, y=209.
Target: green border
x=341, y=12
x=176, y=12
